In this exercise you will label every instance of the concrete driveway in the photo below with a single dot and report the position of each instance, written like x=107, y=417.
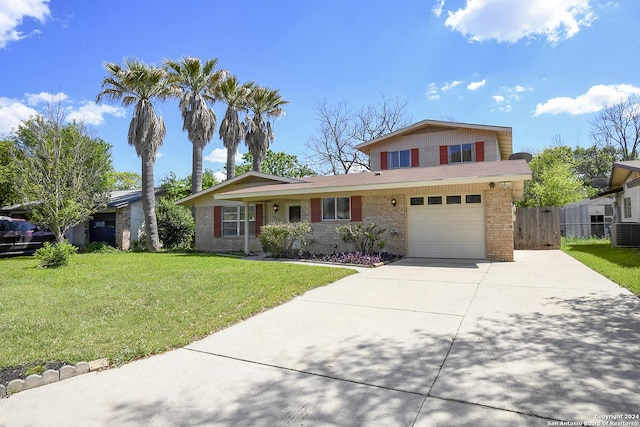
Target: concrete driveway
x=415, y=343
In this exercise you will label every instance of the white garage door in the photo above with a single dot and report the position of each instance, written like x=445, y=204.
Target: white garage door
x=447, y=226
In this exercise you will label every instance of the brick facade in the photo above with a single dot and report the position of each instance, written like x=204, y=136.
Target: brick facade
x=205, y=241
x=375, y=209
x=123, y=228
x=499, y=219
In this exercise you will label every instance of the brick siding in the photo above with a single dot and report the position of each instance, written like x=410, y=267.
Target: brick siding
x=499, y=217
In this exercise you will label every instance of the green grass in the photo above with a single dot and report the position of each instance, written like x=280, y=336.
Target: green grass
x=622, y=265
x=129, y=305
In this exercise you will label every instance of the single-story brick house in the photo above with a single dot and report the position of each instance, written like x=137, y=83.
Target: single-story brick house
x=624, y=184
x=441, y=189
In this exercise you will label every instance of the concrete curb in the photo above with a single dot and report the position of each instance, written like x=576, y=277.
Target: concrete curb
x=50, y=376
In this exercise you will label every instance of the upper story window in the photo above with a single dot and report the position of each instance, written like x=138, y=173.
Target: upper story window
x=233, y=221
x=399, y=159
x=462, y=153
x=335, y=208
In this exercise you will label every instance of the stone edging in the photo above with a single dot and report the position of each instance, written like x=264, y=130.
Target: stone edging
x=51, y=376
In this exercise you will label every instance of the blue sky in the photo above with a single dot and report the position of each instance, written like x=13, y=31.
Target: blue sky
x=543, y=67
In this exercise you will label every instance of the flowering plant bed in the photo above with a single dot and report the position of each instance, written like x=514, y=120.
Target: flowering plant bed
x=351, y=258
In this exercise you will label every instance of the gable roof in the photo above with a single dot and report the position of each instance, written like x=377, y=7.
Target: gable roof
x=251, y=177
x=620, y=172
x=504, y=134
x=510, y=170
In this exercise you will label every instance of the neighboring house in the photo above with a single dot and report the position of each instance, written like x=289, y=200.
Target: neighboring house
x=625, y=185
x=587, y=218
x=441, y=189
x=118, y=224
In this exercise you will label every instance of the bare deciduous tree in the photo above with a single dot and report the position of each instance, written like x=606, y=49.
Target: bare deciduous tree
x=618, y=125
x=333, y=149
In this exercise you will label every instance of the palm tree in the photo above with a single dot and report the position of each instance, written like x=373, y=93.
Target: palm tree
x=138, y=84
x=231, y=131
x=196, y=83
x=258, y=134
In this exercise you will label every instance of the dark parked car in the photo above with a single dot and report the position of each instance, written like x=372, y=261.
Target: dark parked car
x=20, y=237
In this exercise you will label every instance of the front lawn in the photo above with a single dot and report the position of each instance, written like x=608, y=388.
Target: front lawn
x=622, y=265
x=123, y=306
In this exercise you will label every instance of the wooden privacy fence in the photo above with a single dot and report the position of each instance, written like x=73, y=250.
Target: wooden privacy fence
x=537, y=228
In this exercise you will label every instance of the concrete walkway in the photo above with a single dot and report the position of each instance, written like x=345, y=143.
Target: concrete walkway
x=415, y=343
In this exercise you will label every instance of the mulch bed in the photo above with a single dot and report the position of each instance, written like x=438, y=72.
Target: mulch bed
x=10, y=373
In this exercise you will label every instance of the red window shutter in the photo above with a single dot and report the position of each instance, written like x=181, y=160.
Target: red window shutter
x=444, y=155
x=259, y=218
x=316, y=211
x=480, y=151
x=383, y=160
x=415, y=158
x=217, y=221
x=356, y=208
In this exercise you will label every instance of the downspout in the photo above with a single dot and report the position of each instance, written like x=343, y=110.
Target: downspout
x=246, y=228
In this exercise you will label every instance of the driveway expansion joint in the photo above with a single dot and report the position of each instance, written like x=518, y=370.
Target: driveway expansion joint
x=381, y=308
x=315, y=374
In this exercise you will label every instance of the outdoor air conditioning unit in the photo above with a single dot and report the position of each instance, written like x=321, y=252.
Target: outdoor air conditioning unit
x=625, y=234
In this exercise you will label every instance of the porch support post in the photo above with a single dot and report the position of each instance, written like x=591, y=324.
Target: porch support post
x=246, y=228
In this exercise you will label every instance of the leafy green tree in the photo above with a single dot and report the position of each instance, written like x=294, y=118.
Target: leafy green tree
x=176, y=226
x=231, y=131
x=594, y=162
x=140, y=85
x=277, y=163
x=173, y=188
x=126, y=181
x=198, y=85
x=64, y=173
x=8, y=175
x=554, y=182
x=263, y=103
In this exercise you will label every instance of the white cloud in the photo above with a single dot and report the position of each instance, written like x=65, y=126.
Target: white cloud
x=451, y=85
x=504, y=103
x=437, y=9
x=519, y=88
x=596, y=98
x=476, y=85
x=12, y=12
x=219, y=155
x=432, y=91
x=12, y=113
x=15, y=111
x=509, y=21
x=34, y=99
x=92, y=113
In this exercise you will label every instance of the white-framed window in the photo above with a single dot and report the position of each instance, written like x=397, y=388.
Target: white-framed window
x=461, y=153
x=233, y=221
x=627, y=207
x=399, y=159
x=335, y=208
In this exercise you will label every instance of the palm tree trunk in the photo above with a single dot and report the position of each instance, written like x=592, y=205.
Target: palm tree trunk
x=257, y=163
x=196, y=172
x=231, y=163
x=149, y=203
